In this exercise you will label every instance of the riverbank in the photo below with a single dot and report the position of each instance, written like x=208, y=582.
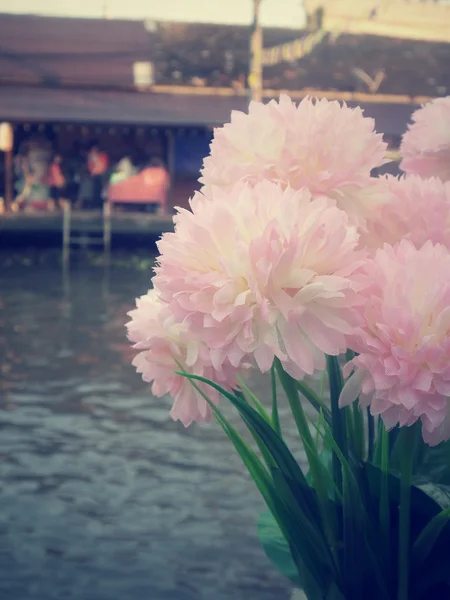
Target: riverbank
x=46, y=229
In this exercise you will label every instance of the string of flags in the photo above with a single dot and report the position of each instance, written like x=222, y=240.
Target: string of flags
x=291, y=51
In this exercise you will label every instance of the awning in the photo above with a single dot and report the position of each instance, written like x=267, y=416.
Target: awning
x=33, y=104
x=23, y=104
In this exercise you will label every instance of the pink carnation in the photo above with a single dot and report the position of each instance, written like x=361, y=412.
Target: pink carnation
x=417, y=210
x=321, y=145
x=163, y=343
x=403, y=367
x=263, y=271
x=426, y=144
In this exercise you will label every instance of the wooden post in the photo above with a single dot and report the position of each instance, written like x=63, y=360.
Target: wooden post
x=7, y=145
x=107, y=229
x=256, y=46
x=66, y=231
x=170, y=166
x=8, y=180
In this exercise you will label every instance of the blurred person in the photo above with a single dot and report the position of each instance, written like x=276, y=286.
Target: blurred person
x=98, y=164
x=74, y=168
x=124, y=169
x=56, y=179
x=21, y=168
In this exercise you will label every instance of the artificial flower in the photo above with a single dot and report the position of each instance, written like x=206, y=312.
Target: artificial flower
x=402, y=370
x=426, y=145
x=165, y=348
x=416, y=209
x=324, y=146
x=262, y=271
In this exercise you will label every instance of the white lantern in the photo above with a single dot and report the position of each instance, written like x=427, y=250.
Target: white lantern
x=6, y=137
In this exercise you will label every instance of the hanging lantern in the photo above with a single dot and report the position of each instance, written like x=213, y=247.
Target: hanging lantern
x=6, y=137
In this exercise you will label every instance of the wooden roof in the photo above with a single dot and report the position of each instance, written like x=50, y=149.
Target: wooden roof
x=101, y=53
x=51, y=50
x=50, y=105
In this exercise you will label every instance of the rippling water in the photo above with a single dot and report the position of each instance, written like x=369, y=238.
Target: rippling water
x=102, y=497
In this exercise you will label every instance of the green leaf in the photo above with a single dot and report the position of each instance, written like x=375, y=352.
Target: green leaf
x=421, y=503
x=276, y=547
x=334, y=594
x=254, y=466
x=315, y=400
x=440, y=493
x=319, y=474
x=407, y=441
x=306, y=538
x=252, y=399
x=434, y=467
x=359, y=532
x=428, y=536
x=294, y=501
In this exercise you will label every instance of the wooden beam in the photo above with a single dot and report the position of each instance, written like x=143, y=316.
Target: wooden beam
x=297, y=94
x=228, y=92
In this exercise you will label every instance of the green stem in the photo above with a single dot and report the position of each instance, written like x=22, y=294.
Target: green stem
x=338, y=424
x=385, y=520
x=322, y=384
x=358, y=431
x=290, y=388
x=316, y=468
x=408, y=438
x=370, y=435
x=275, y=416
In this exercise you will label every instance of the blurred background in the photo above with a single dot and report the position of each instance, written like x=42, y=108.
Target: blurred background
x=107, y=108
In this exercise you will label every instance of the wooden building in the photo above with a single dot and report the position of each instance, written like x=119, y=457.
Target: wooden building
x=160, y=88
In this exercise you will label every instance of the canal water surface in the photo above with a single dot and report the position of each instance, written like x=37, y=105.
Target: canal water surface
x=102, y=496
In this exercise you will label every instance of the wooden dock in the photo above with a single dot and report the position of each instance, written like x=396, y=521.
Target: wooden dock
x=86, y=224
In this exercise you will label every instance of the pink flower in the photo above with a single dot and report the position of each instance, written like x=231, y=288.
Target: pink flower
x=417, y=210
x=426, y=144
x=321, y=145
x=163, y=343
x=403, y=367
x=262, y=271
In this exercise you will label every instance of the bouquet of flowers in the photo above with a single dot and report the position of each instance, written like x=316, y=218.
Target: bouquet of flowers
x=293, y=259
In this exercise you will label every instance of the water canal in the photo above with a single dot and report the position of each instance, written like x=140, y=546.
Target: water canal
x=102, y=497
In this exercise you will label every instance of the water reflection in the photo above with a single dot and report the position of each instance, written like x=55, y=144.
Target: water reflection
x=102, y=496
